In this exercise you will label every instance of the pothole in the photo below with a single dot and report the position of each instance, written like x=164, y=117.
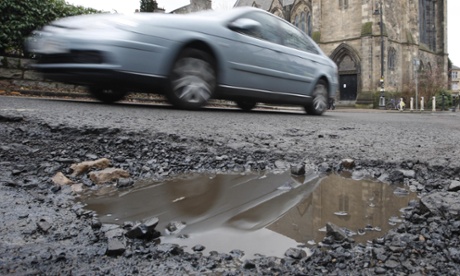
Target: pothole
x=258, y=214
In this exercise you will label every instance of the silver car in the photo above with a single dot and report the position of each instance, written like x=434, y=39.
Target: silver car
x=244, y=55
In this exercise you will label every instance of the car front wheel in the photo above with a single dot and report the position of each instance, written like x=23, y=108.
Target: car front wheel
x=107, y=95
x=319, y=102
x=192, y=80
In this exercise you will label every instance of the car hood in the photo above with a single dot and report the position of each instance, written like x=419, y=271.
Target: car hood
x=92, y=21
x=131, y=21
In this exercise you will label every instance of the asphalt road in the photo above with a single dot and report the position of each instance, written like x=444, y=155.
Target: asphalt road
x=431, y=137
x=59, y=237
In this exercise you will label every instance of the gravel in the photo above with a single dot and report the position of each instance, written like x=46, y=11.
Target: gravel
x=46, y=232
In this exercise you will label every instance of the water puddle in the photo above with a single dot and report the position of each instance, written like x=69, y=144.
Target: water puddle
x=259, y=214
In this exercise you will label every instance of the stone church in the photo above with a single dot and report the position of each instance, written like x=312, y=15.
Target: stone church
x=349, y=32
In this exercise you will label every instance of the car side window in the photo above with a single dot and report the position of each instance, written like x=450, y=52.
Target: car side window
x=294, y=38
x=269, y=27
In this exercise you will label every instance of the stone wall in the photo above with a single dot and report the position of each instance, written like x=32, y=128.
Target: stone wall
x=17, y=74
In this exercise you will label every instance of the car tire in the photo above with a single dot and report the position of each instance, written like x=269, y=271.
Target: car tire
x=192, y=80
x=107, y=95
x=319, y=102
x=246, y=105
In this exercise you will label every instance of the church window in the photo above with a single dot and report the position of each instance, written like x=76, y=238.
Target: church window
x=422, y=67
x=429, y=69
x=302, y=22
x=427, y=23
x=343, y=4
x=391, y=59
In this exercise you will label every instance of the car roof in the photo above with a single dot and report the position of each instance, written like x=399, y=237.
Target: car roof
x=206, y=17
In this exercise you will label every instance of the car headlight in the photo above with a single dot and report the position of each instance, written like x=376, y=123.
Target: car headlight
x=54, y=46
x=41, y=43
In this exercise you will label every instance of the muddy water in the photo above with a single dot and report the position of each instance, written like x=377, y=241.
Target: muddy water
x=263, y=214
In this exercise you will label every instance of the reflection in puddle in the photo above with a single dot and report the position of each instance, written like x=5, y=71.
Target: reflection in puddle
x=364, y=208
x=264, y=214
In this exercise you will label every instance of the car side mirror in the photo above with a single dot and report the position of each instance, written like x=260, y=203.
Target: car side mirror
x=245, y=25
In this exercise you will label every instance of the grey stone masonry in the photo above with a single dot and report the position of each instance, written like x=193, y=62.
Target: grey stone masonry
x=17, y=74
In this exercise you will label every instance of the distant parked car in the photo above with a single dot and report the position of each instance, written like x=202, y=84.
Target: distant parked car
x=245, y=55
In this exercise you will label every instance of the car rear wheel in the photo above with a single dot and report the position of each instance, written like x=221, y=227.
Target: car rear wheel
x=320, y=99
x=107, y=95
x=246, y=105
x=192, y=80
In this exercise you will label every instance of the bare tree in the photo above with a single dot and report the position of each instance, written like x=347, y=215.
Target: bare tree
x=431, y=82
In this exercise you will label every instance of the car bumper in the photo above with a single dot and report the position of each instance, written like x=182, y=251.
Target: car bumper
x=101, y=75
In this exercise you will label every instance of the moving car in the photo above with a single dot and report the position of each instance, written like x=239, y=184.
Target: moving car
x=244, y=54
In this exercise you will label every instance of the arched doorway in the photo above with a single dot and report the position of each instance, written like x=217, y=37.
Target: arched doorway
x=349, y=66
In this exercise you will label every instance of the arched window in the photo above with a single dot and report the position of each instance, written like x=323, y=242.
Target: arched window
x=302, y=19
x=427, y=25
x=302, y=22
x=391, y=59
x=429, y=69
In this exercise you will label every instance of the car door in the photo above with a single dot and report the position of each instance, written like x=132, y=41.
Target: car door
x=255, y=58
x=303, y=60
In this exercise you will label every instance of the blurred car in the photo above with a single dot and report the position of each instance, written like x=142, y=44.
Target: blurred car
x=244, y=54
